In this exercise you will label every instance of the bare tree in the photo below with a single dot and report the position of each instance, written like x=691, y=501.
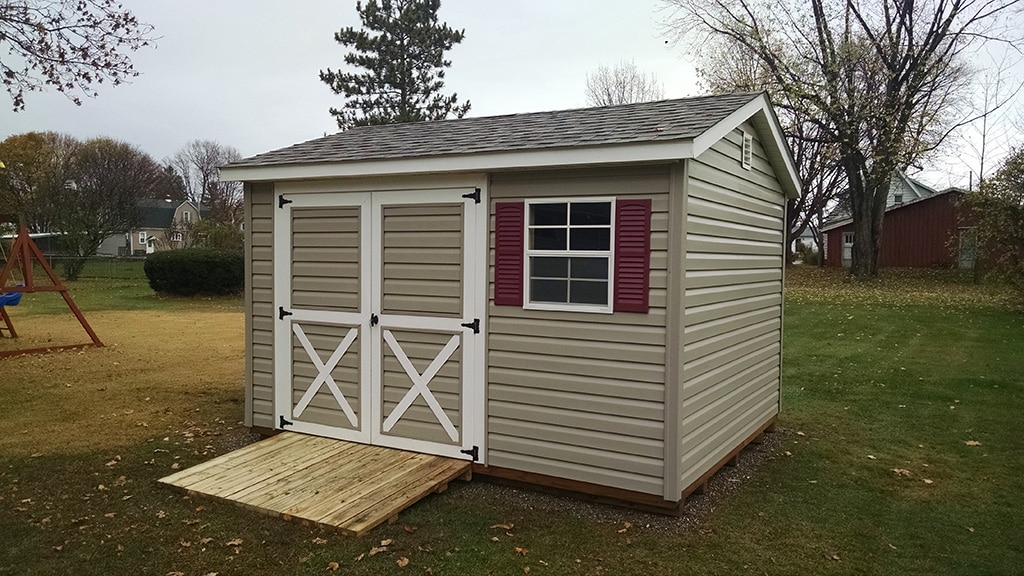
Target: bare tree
x=196, y=165
x=623, y=83
x=886, y=82
x=69, y=46
x=110, y=177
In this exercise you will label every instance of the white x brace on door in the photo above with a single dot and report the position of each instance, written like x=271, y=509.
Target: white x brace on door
x=379, y=311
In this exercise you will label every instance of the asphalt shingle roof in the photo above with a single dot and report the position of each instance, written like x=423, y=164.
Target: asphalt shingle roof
x=665, y=120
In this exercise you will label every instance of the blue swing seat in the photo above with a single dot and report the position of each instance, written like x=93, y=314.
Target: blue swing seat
x=10, y=298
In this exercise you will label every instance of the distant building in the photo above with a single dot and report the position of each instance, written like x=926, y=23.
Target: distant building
x=922, y=228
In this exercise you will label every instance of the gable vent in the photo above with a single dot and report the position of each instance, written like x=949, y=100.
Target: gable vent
x=747, y=155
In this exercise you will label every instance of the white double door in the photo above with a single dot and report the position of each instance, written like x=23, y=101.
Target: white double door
x=378, y=317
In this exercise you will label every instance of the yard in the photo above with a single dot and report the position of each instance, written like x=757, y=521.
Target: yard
x=898, y=452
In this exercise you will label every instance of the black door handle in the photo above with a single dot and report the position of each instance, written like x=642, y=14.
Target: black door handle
x=374, y=320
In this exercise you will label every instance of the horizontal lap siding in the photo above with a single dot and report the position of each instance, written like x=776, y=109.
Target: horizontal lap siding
x=573, y=394
x=732, y=304
x=260, y=323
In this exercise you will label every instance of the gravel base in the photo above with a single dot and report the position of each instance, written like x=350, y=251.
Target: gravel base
x=696, y=508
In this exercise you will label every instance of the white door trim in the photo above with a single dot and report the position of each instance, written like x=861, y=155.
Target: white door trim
x=370, y=339
x=284, y=328
x=474, y=299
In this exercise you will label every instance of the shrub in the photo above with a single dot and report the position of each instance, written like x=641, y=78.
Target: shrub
x=196, y=271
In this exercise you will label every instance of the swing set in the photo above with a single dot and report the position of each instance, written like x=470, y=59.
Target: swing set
x=23, y=258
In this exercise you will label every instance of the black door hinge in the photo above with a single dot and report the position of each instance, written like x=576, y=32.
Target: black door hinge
x=473, y=453
x=281, y=201
x=475, y=325
x=475, y=195
x=281, y=313
x=374, y=319
x=284, y=422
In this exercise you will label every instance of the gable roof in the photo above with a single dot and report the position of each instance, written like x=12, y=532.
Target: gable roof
x=156, y=213
x=649, y=131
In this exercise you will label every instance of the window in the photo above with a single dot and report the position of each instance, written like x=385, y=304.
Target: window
x=142, y=237
x=176, y=237
x=569, y=253
x=186, y=216
x=579, y=255
x=897, y=199
x=747, y=154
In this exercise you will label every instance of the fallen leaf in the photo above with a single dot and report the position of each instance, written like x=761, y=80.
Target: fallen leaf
x=235, y=542
x=833, y=556
x=503, y=526
x=161, y=514
x=175, y=466
x=386, y=542
x=101, y=488
x=926, y=481
x=333, y=566
x=788, y=453
x=801, y=434
x=110, y=515
x=206, y=540
x=495, y=539
x=175, y=574
x=319, y=541
x=973, y=443
x=891, y=546
x=360, y=557
x=521, y=551
x=901, y=472
x=59, y=548
x=410, y=529
x=185, y=544
x=625, y=526
x=375, y=551
x=402, y=562
x=212, y=573
x=872, y=457
x=200, y=508
x=526, y=569
x=969, y=529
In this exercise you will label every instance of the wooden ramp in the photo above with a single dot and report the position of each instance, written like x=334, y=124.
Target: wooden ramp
x=341, y=485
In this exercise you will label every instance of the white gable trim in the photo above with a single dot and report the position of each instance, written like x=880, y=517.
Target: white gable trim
x=543, y=158
x=762, y=116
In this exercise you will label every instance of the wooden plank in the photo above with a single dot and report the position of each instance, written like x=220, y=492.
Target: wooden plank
x=252, y=450
x=343, y=485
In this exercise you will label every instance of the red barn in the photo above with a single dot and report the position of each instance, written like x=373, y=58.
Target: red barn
x=927, y=232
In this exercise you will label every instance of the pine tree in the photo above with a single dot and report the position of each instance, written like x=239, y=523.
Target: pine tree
x=400, y=50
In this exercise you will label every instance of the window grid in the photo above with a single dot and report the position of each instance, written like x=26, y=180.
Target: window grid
x=534, y=255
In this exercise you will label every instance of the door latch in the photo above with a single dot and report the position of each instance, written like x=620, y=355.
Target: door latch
x=374, y=320
x=284, y=422
x=474, y=325
x=473, y=453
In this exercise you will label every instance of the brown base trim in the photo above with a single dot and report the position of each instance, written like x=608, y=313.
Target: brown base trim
x=614, y=496
x=576, y=488
x=698, y=485
x=264, y=431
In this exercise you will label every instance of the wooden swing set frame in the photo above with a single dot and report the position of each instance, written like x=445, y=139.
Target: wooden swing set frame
x=23, y=252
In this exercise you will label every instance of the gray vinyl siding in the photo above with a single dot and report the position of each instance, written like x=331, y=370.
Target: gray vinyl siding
x=419, y=421
x=730, y=353
x=423, y=257
x=260, y=305
x=573, y=394
x=324, y=408
x=325, y=259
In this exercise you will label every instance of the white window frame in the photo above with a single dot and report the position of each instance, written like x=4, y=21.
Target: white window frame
x=186, y=216
x=528, y=304
x=176, y=237
x=143, y=237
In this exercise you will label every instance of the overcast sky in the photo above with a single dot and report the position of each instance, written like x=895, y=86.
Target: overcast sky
x=246, y=74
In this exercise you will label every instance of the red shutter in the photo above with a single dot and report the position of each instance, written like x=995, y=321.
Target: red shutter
x=508, y=253
x=632, y=254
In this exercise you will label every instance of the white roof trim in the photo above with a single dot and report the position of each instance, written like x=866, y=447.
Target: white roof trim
x=540, y=158
x=761, y=114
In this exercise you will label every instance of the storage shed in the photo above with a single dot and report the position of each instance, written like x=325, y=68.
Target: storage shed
x=584, y=299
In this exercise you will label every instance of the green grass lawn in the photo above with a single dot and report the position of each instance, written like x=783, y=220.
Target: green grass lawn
x=898, y=452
